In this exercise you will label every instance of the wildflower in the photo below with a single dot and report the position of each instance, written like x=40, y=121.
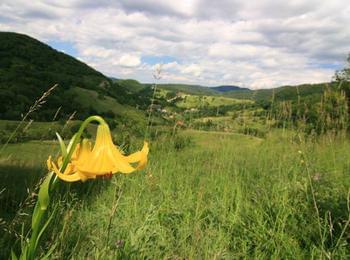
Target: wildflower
x=120, y=243
x=102, y=160
x=316, y=177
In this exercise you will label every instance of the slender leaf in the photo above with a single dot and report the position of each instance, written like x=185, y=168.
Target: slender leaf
x=62, y=145
x=43, y=196
x=45, y=226
x=13, y=255
x=71, y=143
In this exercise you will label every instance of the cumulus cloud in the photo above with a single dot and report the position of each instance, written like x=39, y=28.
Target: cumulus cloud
x=259, y=45
x=192, y=69
x=128, y=60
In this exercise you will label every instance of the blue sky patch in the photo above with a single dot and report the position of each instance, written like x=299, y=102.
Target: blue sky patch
x=152, y=60
x=333, y=66
x=66, y=47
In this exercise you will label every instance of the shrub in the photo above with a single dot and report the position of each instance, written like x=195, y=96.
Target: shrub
x=254, y=131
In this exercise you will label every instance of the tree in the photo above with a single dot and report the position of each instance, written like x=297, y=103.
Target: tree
x=343, y=74
x=343, y=78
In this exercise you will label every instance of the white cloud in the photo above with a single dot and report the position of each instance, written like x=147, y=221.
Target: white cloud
x=96, y=51
x=259, y=45
x=193, y=70
x=128, y=60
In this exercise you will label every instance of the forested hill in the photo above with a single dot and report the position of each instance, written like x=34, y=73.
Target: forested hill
x=29, y=67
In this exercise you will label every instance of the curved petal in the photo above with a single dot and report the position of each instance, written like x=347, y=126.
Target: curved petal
x=69, y=178
x=121, y=164
x=84, y=153
x=48, y=163
x=140, y=156
x=60, y=161
x=64, y=176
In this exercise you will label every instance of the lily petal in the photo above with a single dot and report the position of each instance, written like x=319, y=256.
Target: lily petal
x=69, y=178
x=140, y=157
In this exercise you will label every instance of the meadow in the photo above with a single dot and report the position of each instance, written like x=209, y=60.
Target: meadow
x=203, y=195
x=239, y=174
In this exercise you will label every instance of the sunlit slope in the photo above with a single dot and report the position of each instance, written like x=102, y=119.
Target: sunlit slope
x=131, y=85
x=91, y=101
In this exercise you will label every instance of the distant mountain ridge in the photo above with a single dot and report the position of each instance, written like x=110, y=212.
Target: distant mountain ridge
x=228, y=88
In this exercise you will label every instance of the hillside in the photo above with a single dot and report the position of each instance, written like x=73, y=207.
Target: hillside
x=130, y=85
x=188, y=89
x=29, y=67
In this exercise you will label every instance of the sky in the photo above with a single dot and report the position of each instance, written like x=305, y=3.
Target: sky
x=255, y=44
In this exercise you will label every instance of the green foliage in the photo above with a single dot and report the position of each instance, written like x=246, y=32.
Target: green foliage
x=170, y=94
x=329, y=113
x=333, y=112
x=181, y=142
x=343, y=74
x=254, y=131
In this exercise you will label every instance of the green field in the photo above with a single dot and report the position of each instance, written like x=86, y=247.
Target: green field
x=218, y=196
x=192, y=101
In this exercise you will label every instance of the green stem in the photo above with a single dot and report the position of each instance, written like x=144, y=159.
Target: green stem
x=78, y=135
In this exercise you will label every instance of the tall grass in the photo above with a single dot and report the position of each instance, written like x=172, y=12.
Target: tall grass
x=224, y=196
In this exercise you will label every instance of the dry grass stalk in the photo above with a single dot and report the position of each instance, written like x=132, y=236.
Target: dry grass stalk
x=37, y=104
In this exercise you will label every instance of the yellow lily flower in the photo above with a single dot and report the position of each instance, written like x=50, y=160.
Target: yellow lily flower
x=103, y=159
